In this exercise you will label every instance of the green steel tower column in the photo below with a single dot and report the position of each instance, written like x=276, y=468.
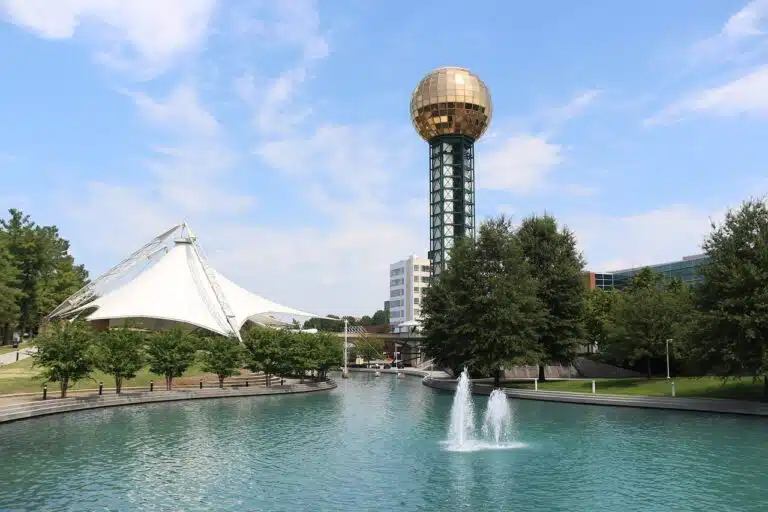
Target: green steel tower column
x=452, y=195
x=451, y=109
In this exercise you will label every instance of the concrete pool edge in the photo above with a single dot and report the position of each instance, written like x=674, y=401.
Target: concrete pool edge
x=711, y=405
x=28, y=410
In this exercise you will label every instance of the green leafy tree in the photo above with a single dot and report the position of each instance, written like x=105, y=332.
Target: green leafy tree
x=599, y=307
x=380, y=317
x=46, y=272
x=368, y=347
x=223, y=356
x=263, y=348
x=557, y=266
x=646, y=279
x=119, y=352
x=170, y=353
x=483, y=310
x=9, y=291
x=643, y=320
x=63, y=350
x=732, y=335
x=329, y=351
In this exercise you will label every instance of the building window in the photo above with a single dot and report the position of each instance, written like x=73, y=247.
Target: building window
x=415, y=289
x=425, y=268
x=416, y=300
x=416, y=268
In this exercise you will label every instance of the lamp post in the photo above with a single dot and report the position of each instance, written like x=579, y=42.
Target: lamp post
x=668, y=340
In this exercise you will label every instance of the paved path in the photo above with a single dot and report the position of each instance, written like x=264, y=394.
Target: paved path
x=10, y=357
x=716, y=405
x=40, y=407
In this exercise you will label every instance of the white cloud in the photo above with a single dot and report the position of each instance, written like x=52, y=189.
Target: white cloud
x=152, y=32
x=645, y=238
x=747, y=22
x=557, y=116
x=747, y=95
x=295, y=26
x=180, y=111
x=520, y=164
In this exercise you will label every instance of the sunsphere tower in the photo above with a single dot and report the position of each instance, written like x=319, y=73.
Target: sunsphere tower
x=450, y=108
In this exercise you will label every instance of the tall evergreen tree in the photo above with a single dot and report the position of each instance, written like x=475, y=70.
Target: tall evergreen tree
x=557, y=266
x=46, y=273
x=483, y=310
x=9, y=292
x=732, y=338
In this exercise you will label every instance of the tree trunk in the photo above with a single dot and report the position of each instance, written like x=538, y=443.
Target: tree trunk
x=496, y=379
x=269, y=379
x=168, y=382
x=118, y=383
x=64, y=385
x=542, y=376
x=648, y=365
x=221, y=382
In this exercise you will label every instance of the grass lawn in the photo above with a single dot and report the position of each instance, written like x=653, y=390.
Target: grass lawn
x=21, y=377
x=698, y=387
x=4, y=349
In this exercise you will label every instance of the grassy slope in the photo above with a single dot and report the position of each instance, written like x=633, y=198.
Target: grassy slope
x=700, y=387
x=21, y=377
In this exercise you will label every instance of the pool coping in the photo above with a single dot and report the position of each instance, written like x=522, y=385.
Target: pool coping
x=710, y=405
x=28, y=410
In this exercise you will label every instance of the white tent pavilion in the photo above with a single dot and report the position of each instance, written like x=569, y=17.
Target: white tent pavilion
x=180, y=289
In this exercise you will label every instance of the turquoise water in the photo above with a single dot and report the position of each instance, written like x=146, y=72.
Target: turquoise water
x=374, y=444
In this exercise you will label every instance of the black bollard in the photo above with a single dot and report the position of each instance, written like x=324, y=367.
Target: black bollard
x=17, y=355
x=45, y=392
x=281, y=381
x=151, y=385
x=246, y=383
x=201, y=383
x=101, y=388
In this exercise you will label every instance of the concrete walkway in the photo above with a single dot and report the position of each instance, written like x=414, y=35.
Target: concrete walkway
x=10, y=357
x=716, y=405
x=40, y=407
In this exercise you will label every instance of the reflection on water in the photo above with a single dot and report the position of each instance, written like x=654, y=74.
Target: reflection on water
x=375, y=442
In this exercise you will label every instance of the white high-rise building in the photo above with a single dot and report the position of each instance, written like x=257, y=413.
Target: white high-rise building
x=408, y=279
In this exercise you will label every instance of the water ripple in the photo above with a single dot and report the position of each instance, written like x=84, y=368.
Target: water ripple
x=375, y=442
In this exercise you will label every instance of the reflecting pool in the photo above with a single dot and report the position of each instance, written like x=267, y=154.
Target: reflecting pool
x=378, y=444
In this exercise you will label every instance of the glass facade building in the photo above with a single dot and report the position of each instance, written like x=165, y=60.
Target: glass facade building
x=686, y=270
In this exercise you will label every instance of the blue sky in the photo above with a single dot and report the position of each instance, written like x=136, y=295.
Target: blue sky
x=280, y=130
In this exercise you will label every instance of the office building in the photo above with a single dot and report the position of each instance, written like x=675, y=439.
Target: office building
x=686, y=270
x=408, y=279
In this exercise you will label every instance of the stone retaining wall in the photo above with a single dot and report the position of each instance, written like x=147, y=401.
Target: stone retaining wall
x=716, y=405
x=59, y=405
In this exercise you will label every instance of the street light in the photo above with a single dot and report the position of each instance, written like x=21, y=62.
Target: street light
x=668, y=340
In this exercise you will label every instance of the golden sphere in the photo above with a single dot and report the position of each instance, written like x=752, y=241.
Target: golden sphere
x=451, y=101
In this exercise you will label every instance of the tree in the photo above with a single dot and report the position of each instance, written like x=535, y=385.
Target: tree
x=483, y=310
x=733, y=298
x=223, y=356
x=380, y=317
x=9, y=292
x=599, y=307
x=46, y=272
x=263, y=350
x=368, y=347
x=557, y=266
x=118, y=352
x=644, y=318
x=63, y=350
x=329, y=351
x=170, y=353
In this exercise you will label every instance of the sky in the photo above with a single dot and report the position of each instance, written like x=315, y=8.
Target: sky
x=280, y=131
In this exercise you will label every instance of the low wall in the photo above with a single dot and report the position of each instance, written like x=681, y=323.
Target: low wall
x=60, y=405
x=716, y=405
